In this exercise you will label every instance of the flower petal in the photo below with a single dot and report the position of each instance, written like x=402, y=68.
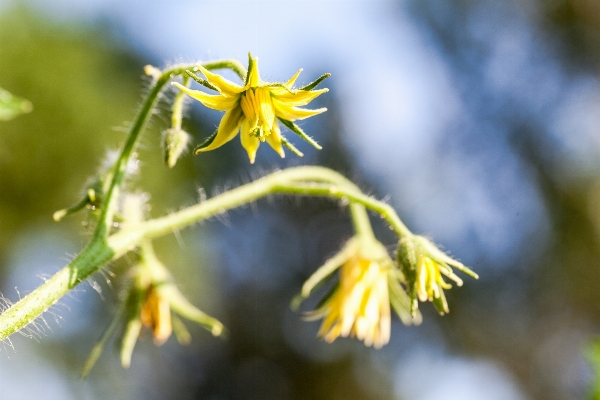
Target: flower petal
x=274, y=140
x=292, y=80
x=249, y=142
x=291, y=113
x=300, y=97
x=224, y=85
x=253, y=77
x=216, y=102
x=228, y=128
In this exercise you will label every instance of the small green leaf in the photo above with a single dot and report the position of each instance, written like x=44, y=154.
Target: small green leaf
x=11, y=106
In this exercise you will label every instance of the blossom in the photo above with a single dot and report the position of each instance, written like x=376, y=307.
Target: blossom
x=359, y=305
x=156, y=315
x=425, y=266
x=255, y=108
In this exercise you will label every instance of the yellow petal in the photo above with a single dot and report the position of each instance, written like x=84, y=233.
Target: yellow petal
x=249, y=142
x=254, y=78
x=228, y=128
x=265, y=108
x=224, y=85
x=293, y=113
x=216, y=102
x=300, y=97
x=274, y=140
x=292, y=80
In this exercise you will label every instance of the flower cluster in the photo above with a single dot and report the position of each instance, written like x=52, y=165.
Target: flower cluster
x=255, y=108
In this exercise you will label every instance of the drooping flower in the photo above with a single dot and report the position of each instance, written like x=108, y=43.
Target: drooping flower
x=425, y=266
x=156, y=316
x=255, y=108
x=151, y=301
x=359, y=305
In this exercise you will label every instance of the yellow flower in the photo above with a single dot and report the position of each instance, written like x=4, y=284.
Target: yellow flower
x=255, y=108
x=156, y=315
x=425, y=266
x=359, y=304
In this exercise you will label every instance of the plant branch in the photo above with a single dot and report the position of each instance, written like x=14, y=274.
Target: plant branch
x=304, y=181
x=140, y=121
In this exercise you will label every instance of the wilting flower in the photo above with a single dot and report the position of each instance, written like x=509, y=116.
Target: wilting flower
x=425, y=266
x=156, y=315
x=153, y=301
x=359, y=305
x=255, y=108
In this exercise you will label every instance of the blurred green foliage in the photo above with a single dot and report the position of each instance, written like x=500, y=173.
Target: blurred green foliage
x=593, y=354
x=80, y=87
x=85, y=89
x=11, y=106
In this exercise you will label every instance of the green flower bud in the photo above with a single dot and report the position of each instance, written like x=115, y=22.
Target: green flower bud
x=407, y=261
x=175, y=141
x=424, y=267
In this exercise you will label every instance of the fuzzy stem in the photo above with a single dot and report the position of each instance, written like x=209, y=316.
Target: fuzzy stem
x=297, y=181
x=177, y=114
x=109, y=207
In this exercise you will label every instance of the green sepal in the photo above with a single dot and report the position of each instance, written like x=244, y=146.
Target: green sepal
x=101, y=343
x=328, y=295
x=133, y=322
x=184, y=308
x=201, y=81
x=296, y=301
x=441, y=304
x=407, y=261
x=251, y=64
x=315, y=83
x=317, y=313
x=181, y=332
x=291, y=147
x=281, y=85
x=298, y=131
x=206, y=143
x=324, y=272
x=432, y=251
x=401, y=303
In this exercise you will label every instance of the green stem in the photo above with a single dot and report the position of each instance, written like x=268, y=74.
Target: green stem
x=177, y=114
x=298, y=181
x=96, y=254
x=140, y=121
x=233, y=65
x=358, y=202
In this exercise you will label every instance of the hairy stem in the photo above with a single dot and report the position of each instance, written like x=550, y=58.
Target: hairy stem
x=140, y=121
x=304, y=181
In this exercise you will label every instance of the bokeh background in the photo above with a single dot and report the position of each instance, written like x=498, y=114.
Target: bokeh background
x=477, y=119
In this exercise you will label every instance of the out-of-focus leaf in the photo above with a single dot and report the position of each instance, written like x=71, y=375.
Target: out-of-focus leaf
x=593, y=356
x=11, y=106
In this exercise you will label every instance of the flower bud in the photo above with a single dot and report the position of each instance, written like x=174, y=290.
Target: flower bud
x=407, y=261
x=175, y=141
x=424, y=267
